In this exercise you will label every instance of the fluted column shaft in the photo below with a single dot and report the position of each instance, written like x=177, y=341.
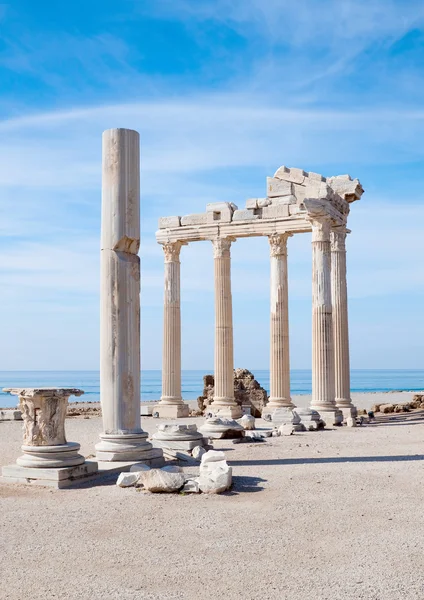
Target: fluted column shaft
x=122, y=439
x=171, y=356
x=223, y=401
x=279, y=334
x=322, y=324
x=340, y=321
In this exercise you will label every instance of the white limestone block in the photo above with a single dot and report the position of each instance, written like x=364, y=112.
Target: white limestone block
x=278, y=187
x=191, y=486
x=121, y=191
x=223, y=212
x=247, y=422
x=294, y=175
x=262, y=202
x=294, y=209
x=244, y=215
x=350, y=422
x=128, y=479
x=286, y=429
x=169, y=222
x=346, y=187
x=139, y=467
x=276, y=212
x=252, y=203
x=212, y=456
x=315, y=176
x=279, y=200
x=195, y=219
x=198, y=452
x=160, y=481
x=215, y=477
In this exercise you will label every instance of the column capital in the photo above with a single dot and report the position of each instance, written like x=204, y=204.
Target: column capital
x=222, y=247
x=172, y=251
x=321, y=228
x=338, y=239
x=278, y=243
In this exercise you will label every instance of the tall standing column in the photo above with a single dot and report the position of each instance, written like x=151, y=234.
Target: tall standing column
x=279, y=334
x=171, y=404
x=340, y=322
x=322, y=325
x=223, y=402
x=122, y=439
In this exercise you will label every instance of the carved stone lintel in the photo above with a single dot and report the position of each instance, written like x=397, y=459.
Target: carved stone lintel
x=338, y=239
x=172, y=251
x=278, y=243
x=222, y=247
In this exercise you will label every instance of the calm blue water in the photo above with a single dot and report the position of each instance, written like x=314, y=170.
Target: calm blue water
x=192, y=382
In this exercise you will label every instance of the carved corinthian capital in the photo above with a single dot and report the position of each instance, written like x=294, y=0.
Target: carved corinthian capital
x=221, y=247
x=338, y=239
x=321, y=228
x=172, y=251
x=278, y=243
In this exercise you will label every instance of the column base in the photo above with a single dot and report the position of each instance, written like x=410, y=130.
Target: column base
x=225, y=412
x=173, y=411
x=331, y=416
x=348, y=411
x=178, y=437
x=124, y=447
x=56, y=457
x=272, y=406
x=50, y=477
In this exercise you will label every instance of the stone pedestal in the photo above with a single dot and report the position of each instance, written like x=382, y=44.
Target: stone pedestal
x=286, y=416
x=47, y=455
x=279, y=338
x=218, y=428
x=323, y=395
x=340, y=323
x=171, y=405
x=223, y=404
x=122, y=439
x=178, y=437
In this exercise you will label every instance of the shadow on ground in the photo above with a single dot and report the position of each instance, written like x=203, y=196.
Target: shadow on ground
x=333, y=459
x=243, y=485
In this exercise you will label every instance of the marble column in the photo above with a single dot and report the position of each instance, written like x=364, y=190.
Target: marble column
x=323, y=391
x=223, y=402
x=171, y=404
x=122, y=439
x=340, y=322
x=279, y=334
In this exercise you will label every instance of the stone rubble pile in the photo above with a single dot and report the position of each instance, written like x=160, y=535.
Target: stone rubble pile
x=416, y=403
x=215, y=476
x=247, y=392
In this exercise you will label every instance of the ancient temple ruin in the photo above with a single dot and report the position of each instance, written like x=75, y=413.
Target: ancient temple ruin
x=296, y=202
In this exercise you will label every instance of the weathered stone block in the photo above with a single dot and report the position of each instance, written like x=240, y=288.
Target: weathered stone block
x=244, y=215
x=195, y=219
x=294, y=175
x=169, y=222
x=278, y=187
x=279, y=200
x=275, y=212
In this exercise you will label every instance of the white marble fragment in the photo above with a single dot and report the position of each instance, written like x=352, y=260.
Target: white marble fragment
x=191, y=486
x=172, y=469
x=158, y=480
x=215, y=477
x=212, y=456
x=278, y=200
x=128, y=479
x=350, y=422
x=286, y=429
x=247, y=422
x=198, y=452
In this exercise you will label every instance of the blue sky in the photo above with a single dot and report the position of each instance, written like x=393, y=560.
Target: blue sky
x=222, y=92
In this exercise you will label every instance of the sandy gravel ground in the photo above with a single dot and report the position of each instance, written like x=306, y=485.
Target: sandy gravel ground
x=320, y=515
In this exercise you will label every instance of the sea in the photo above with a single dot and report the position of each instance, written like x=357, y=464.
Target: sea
x=362, y=380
